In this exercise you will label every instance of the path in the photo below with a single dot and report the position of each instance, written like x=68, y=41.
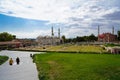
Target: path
x=25, y=71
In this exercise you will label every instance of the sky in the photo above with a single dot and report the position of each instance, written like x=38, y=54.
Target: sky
x=31, y=18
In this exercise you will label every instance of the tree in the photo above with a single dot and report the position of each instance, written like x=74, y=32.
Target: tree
x=79, y=39
x=14, y=36
x=86, y=38
x=118, y=35
x=6, y=36
x=63, y=38
x=68, y=40
x=92, y=37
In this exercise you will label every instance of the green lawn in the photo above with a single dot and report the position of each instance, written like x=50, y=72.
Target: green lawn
x=70, y=48
x=80, y=48
x=3, y=59
x=112, y=45
x=67, y=66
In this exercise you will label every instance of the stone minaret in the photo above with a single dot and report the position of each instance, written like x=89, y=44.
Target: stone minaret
x=52, y=33
x=59, y=33
x=113, y=30
x=98, y=31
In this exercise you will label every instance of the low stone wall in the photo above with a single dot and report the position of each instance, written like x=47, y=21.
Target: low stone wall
x=113, y=50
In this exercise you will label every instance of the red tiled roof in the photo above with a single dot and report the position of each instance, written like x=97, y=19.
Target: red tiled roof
x=101, y=36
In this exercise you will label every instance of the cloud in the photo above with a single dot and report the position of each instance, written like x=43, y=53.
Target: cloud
x=51, y=10
x=79, y=32
x=34, y=34
x=79, y=17
x=113, y=16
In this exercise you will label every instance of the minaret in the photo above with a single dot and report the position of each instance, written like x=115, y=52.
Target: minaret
x=52, y=35
x=113, y=30
x=59, y=33
x=98, y=31
x=52, y=32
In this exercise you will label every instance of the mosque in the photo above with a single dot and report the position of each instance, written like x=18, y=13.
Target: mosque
x=107, y=37
x=49, y=40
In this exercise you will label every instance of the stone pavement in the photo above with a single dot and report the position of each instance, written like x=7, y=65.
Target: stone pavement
x=26, y=70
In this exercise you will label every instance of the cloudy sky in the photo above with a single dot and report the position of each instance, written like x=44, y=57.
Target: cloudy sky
x=31, y=18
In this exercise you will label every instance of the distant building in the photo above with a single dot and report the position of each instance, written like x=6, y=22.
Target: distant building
x=47, y=40
x=107, y=37
x=28, y=42
x=10, y=44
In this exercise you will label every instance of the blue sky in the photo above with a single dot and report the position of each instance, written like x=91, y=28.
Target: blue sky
x=31, y=18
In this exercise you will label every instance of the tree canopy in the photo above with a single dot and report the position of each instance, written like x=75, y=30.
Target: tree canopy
x=89, y=38
x=118, y=35
x=6, y=36
x=63, y=38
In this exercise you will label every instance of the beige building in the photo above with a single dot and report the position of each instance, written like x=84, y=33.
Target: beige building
x=47, y=40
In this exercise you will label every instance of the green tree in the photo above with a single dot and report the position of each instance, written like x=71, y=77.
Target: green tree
x=68, y=40
x=63, y=38
x=118, y=35
x=92, y=37
x=6, y=36
x=79, y=39
x=86, y=38
x=14, y=36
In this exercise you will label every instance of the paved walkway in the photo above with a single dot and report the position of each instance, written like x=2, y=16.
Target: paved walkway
x=26, y=70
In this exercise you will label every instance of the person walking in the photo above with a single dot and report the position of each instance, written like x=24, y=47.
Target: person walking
x=31, y=55
x=17, y=60
x=11, y=61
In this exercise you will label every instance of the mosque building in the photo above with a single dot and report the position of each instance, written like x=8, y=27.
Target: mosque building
x=49, y=40
x=107, y=37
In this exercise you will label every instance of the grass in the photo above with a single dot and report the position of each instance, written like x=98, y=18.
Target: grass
x=67, y=66
x=3, y=59
x=112, y=45
x=79, y=48
x=70, y=48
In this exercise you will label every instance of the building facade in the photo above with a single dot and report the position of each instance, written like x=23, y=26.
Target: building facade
x=10, y=44
x=47, y=40
x=107, y=37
